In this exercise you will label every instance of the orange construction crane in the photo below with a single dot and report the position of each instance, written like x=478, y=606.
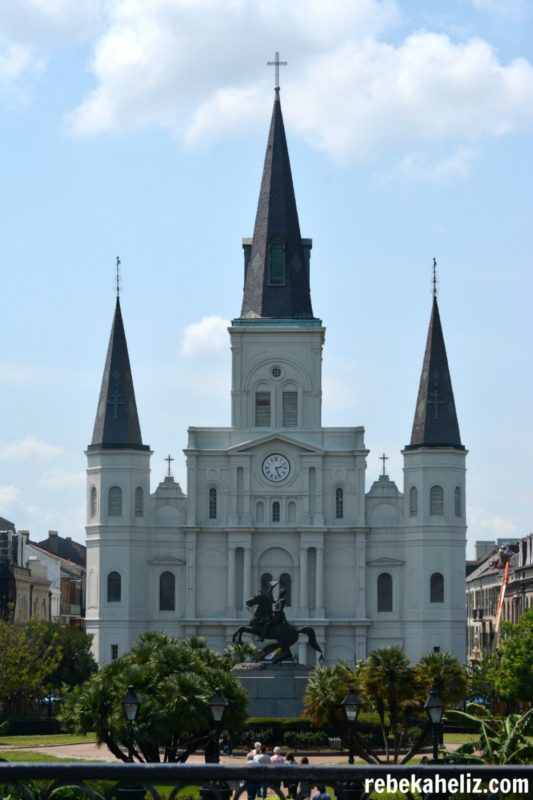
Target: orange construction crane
x=501, y=597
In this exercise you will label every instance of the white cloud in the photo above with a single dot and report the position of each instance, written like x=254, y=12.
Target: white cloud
x=49, y=23
x=29, y=449
x=62, y=479
x=198, y=69
x=9, y=497
x=491, y=526
x=443, y=170
x=10, y=373
x=207, y=338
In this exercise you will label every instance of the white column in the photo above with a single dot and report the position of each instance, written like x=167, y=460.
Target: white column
x=320, y=581
x=231, y=581
x=304, y=577
x=247, y=574
x=190, y=601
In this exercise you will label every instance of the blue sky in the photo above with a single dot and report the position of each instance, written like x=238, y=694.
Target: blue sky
x=138, y=129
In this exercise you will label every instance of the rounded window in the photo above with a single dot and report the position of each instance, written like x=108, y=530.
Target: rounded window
x=276, y=372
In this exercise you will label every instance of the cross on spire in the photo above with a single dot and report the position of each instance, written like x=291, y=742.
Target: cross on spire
x=384, y=458
x=277, y=64
x=118, y=276
x=435, y=278
x=169, y=459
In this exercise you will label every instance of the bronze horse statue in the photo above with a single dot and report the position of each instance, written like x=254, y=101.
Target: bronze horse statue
x=269, y=622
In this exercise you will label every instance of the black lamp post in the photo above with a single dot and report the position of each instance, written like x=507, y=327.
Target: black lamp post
x=217, y=706
x=130, y=705
x=352, y=706
x=434, y=708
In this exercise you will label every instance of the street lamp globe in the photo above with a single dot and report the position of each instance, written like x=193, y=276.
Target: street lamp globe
x=352, y=706
x=217, y=705
x=434, y=707
x=130, y=704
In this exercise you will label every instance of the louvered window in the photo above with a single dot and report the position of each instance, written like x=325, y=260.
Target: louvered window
x=277, y=265
x=458, y=504
x=114, y=502
x=275, y=511
x=436, y=501
x=94, y=498
x=139, y=502
x=262, y=409
x=413, y=501
x=290, y=409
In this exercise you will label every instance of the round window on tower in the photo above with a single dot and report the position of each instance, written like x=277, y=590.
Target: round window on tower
x=276, y=372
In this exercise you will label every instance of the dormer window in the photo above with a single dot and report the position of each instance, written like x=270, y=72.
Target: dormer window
x=277, y=264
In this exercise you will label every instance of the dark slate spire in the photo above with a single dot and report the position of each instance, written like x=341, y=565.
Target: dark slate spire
x=276, y=283
x=117, y=424
x=435, y=423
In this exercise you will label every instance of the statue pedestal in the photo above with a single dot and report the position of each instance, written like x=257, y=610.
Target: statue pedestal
x=275, y=690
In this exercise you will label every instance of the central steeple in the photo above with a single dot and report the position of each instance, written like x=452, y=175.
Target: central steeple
x=276, y=283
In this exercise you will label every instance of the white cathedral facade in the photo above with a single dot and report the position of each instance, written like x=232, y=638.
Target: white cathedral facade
x=275, y=495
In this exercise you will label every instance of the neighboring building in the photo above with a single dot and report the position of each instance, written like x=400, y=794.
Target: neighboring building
x=24, y=584
x=35, y=583
x=277, y=495
x=483, y=587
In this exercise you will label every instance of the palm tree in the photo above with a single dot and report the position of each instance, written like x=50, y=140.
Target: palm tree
x=175, y=680
x=445, y=673
x=388, y=680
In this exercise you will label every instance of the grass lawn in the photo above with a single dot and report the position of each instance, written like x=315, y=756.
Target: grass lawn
x=460, y=738
x=31, y=755
x=47, y=741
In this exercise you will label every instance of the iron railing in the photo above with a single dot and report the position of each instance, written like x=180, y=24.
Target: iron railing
x=52, y=781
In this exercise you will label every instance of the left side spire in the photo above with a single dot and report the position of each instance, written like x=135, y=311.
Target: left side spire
x=117, y=422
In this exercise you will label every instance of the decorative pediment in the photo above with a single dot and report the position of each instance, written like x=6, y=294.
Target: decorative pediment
x=385, y=562
x=166, y=561
x=273, y=439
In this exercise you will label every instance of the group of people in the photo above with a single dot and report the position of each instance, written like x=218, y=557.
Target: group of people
x=259, y=755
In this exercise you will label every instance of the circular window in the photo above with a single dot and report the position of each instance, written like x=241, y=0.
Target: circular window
x=276, y=372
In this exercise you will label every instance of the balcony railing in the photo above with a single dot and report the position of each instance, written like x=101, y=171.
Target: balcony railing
x=34, y=781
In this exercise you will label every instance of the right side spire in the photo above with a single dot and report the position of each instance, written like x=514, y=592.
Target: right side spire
x=435, y=423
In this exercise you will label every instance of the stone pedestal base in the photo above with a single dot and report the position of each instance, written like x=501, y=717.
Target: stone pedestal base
x=275, y=690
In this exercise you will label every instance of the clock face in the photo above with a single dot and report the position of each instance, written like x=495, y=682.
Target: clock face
x=276, y=467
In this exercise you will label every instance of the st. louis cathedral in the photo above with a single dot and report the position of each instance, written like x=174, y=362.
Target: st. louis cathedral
x=276, y=496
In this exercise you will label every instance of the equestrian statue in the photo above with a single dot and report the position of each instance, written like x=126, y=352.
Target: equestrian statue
x=268, y=621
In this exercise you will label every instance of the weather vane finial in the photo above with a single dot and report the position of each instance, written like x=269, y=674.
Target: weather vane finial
x=118, y=277
x=435, y=278
x=277, y=64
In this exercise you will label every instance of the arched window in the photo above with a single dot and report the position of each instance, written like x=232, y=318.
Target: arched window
x=275, y=511
x=436, y=588
x=114, y=587
x=262, y=409
x=289, y=401
x=384, y=592
x=260, y=511
x=266, y=578
x=458, y=503
x=167, y=592
x=277, y=264
x=212, y=503
x=285, y=586
x=93, y=502
x=292, y=511
x=436, y=501
x=139, y=502
x=114, y=502
x=339, y=504
x=413, y=501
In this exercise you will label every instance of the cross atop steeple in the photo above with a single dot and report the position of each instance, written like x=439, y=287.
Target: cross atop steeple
x=118, y=276
x=277, y=64
x=384, y=458
x=169, y=460
x=435, y=278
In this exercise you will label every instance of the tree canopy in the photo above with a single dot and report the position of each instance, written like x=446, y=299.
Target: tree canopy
x=513, y=665
x=175, y=681
x=26, y=665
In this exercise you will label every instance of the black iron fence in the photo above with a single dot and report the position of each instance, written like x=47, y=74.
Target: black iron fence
x=34, y=781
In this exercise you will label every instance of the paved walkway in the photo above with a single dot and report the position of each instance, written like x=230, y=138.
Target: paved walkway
x=91, y=752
